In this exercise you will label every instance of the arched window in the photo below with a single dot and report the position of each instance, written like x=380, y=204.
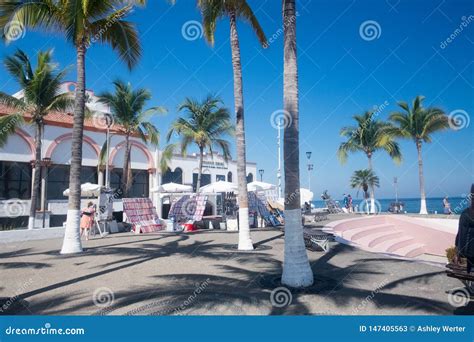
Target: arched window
x=178, y=175
x=229, y=177
x=167, y=177
x=175, y=176
x=250, y=178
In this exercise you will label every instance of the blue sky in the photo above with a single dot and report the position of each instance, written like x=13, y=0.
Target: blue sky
x=340, y=74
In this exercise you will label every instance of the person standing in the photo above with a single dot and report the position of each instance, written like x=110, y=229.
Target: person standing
x=349, y=203
x=465, y=236
x=447, y=206
x=87, y=220
x=345, y=201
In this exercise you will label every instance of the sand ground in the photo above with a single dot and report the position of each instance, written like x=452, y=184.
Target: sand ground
x=202, y=273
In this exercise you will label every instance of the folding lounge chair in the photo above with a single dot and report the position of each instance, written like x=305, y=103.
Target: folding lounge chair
x=316, y=241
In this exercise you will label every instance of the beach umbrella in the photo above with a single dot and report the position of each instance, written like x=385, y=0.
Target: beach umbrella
x=306, y=195
x=219, y=186
x=87, y=190
x=260, y=186
x=173, y=188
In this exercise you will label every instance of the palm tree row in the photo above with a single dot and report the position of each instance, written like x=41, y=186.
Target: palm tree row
x=413, y=122
x=82, y=23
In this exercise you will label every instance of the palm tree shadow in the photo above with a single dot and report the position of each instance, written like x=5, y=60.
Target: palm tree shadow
x=244, y=284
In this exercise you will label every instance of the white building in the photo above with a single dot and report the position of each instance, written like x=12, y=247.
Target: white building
x=17, y=155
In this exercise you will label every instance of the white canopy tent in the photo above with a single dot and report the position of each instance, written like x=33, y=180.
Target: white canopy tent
x=218, y=187
x=87, y=190
x=172, y=188
x=306, y=195
x=260, y=186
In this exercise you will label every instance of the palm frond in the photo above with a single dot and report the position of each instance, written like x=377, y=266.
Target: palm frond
x=8, y=125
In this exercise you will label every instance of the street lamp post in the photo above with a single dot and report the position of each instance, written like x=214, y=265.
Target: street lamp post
x=395, y=183
x=310, y=168
x=261, y=172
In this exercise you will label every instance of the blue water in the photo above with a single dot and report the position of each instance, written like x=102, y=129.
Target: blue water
x=412, y=205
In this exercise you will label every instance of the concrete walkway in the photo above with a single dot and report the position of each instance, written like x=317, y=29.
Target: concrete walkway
x=202, y=273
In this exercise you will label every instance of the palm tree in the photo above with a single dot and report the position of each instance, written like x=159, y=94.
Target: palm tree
x=40, y=96
x=419, y=123
x=207, y=124
x=83, y=22
x=212, y=11
x=296, y=268
x=370, y=135
x=127, y=107
x=363, y=180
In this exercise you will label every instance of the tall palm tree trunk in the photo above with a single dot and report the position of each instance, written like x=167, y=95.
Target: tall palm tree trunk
x=72, y=239
x=36, y=175
x=201, y=158
x=372, y=190
x=126, y=168
x=296, y=268
x=245, y=241
x=423, y=209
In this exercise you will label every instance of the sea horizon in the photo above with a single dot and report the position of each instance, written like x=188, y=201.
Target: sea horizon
x=412, y=205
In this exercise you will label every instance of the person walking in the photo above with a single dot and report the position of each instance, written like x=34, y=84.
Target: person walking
x=447, y=206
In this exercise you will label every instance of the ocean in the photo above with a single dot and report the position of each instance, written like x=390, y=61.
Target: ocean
x=412, y=205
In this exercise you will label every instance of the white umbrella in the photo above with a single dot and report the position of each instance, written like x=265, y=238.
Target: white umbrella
x=306, y=195
x=87, y=190
x=260, y=186
x=173, y=188
x=219, y=186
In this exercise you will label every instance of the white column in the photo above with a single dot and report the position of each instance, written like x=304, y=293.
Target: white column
x=157, y=181
x=101, y=178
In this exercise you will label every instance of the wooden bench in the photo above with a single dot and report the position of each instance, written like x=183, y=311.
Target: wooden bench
x=459, y=272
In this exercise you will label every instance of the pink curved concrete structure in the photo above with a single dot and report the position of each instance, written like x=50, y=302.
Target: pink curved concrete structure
x=28, y=139
x=400, y=235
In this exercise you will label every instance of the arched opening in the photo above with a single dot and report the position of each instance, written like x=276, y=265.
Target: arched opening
x=250, y=178
x=175, y=176
x=229, y=177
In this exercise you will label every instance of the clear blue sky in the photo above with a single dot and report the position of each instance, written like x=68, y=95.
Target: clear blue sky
x=340, y=73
